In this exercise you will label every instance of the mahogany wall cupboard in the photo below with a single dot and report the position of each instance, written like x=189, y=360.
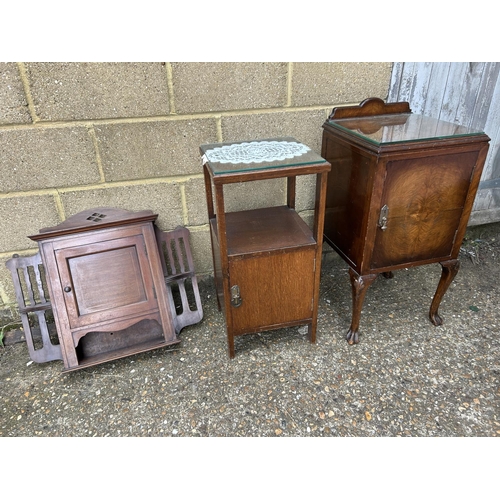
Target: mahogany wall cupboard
x=106, y=285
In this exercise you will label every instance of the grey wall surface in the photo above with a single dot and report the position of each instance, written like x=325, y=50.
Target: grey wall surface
x=74, y=136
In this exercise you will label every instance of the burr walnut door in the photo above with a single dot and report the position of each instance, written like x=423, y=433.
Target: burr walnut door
x=421, y=207
x=276, y=289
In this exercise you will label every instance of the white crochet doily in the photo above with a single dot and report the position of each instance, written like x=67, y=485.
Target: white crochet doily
x=256, y=152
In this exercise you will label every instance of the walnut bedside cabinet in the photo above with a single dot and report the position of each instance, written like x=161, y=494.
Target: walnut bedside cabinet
x=400, y=193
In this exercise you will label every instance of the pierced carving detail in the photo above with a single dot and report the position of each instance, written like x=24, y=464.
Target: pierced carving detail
x=96, y=217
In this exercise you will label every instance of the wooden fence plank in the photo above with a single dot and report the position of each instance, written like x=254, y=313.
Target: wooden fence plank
x=464, y=93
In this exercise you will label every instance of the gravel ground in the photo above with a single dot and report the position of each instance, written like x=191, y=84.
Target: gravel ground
x=405, y=378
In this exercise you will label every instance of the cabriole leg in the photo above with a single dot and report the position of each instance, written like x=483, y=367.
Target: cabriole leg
x=449, y=271
x=359, y=286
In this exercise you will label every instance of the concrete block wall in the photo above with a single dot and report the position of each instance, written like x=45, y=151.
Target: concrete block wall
x=74, y=136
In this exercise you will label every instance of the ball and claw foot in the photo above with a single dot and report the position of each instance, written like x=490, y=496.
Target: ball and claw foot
x=352, y=337
x=436, y=320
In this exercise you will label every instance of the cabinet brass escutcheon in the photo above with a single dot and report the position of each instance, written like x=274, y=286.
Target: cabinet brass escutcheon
x=382, y=220
x=235, y=296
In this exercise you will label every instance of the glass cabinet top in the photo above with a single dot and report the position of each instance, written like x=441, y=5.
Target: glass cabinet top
x=403, y=127
x=281, y=152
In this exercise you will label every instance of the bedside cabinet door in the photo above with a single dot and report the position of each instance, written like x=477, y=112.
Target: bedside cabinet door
x=421, y=208
x=275, y=289
x=105, y=280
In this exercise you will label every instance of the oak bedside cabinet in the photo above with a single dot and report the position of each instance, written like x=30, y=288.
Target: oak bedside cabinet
x=400, y=193
x=267, y=261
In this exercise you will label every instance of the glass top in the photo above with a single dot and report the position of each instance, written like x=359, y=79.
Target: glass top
x=280, y=152
x=403, y=127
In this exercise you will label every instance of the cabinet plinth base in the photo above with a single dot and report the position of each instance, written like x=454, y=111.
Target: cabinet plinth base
x=105, y=357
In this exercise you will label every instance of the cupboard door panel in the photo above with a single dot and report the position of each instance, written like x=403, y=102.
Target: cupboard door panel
x=425, y=198
x=105, y=280
x=275, y=289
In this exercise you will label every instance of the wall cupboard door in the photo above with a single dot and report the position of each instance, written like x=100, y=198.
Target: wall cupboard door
x=105, y=280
